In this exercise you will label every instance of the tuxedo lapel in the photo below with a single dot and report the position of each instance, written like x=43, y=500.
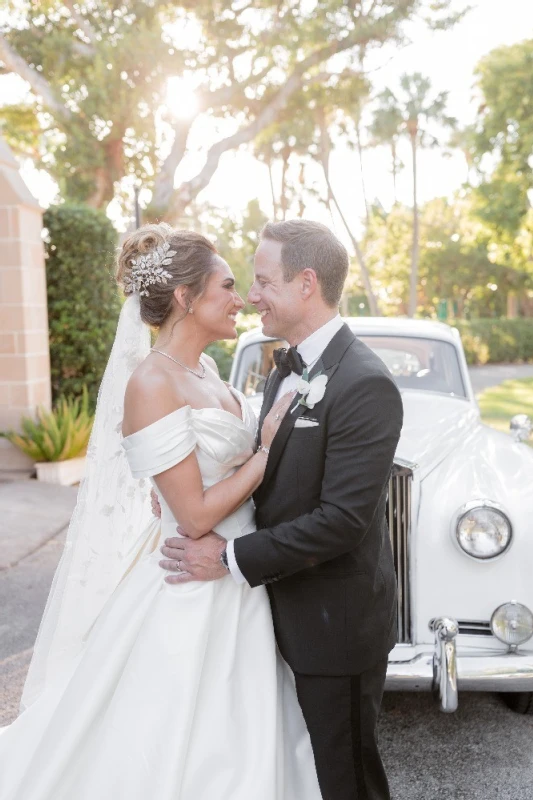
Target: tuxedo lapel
x=271, y=389
x=287, y=424
x=327, y=364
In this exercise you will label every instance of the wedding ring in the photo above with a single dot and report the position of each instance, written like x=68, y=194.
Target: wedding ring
x=178, y=565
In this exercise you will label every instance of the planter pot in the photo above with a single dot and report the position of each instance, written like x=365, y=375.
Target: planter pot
x=64, y=472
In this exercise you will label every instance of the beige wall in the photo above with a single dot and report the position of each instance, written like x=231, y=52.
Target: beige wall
x=24, y=353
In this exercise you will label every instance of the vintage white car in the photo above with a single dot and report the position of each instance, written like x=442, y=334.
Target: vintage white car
x=460, y=518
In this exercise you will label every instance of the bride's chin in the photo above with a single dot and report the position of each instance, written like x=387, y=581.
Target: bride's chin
x=227, y=332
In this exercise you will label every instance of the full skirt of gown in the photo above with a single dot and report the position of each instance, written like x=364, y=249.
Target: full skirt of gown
x=179, y=693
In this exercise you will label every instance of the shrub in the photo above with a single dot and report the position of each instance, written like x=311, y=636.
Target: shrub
x=57, y=435
x=83, y=303
x=493, y=341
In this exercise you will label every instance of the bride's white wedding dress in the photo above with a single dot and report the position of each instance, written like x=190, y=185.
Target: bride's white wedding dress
x=179, y=693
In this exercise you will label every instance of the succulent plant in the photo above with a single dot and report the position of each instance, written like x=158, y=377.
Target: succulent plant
x=58, y=434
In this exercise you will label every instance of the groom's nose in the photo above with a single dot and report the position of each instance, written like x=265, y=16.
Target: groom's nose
x=253, y=295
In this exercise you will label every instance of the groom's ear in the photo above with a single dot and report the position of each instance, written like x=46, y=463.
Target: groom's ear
x=309, y=283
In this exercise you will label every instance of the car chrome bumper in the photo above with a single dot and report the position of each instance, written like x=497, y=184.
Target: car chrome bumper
x=445, y=673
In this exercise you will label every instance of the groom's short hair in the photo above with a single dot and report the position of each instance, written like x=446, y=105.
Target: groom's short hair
x=311, y=245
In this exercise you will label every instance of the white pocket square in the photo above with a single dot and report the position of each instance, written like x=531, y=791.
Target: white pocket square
x=305, y=422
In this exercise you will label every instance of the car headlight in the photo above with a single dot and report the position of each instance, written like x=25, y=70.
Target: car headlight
x=512, y=623
x=483, y=530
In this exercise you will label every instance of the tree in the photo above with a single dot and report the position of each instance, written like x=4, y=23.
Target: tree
x=457, y=263
x=325, y=152
x=501, y=143
x=385, y=130
x=418, y=112
x=98, y=75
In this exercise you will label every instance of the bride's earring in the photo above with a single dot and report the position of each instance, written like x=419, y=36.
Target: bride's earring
x=190, y=310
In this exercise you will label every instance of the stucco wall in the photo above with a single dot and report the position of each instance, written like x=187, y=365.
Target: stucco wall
x=24, y=352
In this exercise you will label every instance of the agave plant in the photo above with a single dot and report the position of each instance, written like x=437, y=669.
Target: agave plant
x=56, y=435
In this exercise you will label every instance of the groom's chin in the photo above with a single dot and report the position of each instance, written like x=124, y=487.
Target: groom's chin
x=268, y=329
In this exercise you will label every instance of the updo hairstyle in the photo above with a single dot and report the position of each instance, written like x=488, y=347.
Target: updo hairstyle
x=191, y=267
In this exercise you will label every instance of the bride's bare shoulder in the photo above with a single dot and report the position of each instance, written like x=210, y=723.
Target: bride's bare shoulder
x=151, y=394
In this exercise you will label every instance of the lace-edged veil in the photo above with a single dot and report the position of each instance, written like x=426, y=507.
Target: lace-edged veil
x=109, y=523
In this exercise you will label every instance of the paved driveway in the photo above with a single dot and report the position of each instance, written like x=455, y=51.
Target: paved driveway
x=493, y=374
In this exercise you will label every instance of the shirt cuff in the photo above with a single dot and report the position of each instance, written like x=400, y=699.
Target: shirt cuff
x=236, y=574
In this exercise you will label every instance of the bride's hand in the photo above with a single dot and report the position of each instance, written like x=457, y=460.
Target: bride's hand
x=274, y=418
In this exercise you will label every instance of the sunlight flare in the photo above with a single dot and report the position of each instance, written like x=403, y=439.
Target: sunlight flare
x=181, y=100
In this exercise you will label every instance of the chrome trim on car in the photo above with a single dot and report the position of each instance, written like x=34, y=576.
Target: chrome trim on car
x=470, y=627
x=482, y=502
x=399, y=521
x=521, y=427
x=445, y=663
x=500, y=672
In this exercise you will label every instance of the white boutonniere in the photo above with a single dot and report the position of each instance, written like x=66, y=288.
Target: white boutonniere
x=312, y=391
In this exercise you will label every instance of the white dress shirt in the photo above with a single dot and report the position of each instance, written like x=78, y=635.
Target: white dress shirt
x=310, y=350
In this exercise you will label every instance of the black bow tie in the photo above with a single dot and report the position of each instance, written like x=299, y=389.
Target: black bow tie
x=288, y=361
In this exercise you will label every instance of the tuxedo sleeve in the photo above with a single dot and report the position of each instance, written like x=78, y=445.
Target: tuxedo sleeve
x=364, y=424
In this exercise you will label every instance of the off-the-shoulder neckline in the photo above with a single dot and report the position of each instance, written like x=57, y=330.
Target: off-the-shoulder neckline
x=240, y=397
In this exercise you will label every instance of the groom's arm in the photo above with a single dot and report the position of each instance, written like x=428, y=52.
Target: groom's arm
x=364, y=426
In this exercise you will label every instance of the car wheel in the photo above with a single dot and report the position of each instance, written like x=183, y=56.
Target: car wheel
x=520, y=702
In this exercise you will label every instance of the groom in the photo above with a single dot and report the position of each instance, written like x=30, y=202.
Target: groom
x=322, y=544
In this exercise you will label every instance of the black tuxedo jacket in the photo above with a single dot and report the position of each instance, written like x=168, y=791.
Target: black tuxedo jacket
x=322, y=544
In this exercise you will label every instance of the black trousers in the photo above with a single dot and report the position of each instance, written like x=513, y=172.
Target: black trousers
x=341, y=714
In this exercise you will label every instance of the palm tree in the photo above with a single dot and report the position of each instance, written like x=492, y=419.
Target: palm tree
x=385, y=130
x=418, y=111
x=324, y=156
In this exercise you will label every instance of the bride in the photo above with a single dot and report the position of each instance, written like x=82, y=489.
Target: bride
x=140, y=689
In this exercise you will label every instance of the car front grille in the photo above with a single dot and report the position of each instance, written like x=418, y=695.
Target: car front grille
x=399, y=519
x=474, y=628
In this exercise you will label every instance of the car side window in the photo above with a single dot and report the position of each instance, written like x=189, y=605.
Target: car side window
x=255, y=363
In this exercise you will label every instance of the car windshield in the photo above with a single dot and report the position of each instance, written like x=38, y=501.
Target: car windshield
x=429, y=365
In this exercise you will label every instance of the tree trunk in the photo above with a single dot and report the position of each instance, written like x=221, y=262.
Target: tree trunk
x=285, y=154
x=164, y=181
x=414, y=254
x=372, y=299
x=301, y=203
x=103, y=191
x=394, y=171
x=332, y=199
x=272, y=190
x=105, y=177
x=361, y=170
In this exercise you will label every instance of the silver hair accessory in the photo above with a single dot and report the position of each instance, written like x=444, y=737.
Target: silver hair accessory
x=148, y=269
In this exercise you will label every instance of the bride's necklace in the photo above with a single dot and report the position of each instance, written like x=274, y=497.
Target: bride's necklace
x=192, y=371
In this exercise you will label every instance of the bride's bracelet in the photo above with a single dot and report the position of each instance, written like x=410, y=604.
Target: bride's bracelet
x=263, y=449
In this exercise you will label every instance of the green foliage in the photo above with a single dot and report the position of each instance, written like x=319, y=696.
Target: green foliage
x=83, y=304
x=57, y=435
x=20, y=128
x=457, y=262
x=499, y=404
x=223, y=353
x=504, y=132
x=236, y=238
x=99, y=71
x=491, y=341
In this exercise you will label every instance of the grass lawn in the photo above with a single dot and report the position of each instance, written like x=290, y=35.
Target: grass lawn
x=499, y=403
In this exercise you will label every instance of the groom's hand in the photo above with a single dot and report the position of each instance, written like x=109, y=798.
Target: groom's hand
x=194, y=559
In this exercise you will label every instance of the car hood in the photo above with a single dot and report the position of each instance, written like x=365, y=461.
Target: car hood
x=434, y=425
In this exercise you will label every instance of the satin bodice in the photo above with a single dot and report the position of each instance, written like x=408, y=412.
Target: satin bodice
x=221, y=441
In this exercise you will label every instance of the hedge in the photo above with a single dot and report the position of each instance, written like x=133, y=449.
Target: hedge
x=494, y=341
x=83, y=303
